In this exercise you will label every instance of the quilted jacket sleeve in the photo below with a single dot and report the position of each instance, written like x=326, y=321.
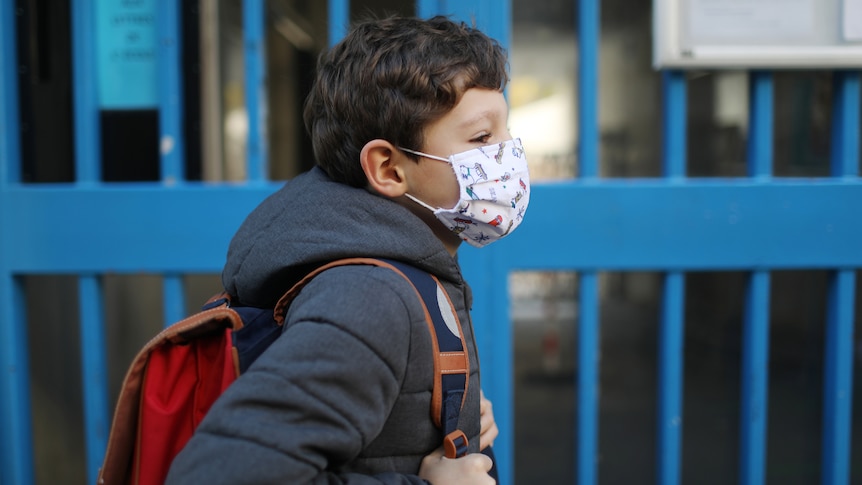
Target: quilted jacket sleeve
x=309, y=406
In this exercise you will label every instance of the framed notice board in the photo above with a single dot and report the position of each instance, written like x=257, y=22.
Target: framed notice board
x=757, y=33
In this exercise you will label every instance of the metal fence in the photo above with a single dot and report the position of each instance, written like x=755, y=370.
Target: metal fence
x=590, y=224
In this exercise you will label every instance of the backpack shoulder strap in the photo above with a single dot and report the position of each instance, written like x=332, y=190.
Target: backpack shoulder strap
x=451, y=362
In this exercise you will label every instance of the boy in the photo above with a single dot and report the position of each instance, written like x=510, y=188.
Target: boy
x=344, y=394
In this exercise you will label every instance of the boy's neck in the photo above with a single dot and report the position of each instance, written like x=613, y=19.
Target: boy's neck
x=449, y=239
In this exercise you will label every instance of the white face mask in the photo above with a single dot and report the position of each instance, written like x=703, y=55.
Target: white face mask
x=494, y=185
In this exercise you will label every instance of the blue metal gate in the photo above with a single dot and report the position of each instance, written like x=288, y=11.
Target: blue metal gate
x=675, y=224
x=672, y=224
x=89, y=228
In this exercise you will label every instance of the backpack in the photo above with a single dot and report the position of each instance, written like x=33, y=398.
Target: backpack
x=179, y=373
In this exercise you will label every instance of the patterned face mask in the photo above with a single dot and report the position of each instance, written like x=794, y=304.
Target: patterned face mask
x=494, y=189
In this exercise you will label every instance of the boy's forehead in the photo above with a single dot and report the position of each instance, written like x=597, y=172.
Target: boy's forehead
x=478, y=109
x=478, y=105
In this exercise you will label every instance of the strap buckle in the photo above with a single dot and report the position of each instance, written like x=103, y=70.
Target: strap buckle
x=455, y=444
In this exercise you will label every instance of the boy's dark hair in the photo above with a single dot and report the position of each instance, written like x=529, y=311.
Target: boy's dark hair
x=390, y=78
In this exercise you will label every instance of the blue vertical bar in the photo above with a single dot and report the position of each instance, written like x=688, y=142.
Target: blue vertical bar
x=95, y=375
x=16, y=439
x=588, y=379
x=588, y=159
x=838, y=379
x=173, y=293
x=670, y=372
x=494, y=18
x=670, y=379
x=339, y=20
x=427, y=8
x=85, y=82
x=845, y=124
x=10, y=140
x=88, y=170
x=838, y=354
x=760, y=125
x=502, y=392
x=487, y=272
x=755, y=378
x=588, y=88
x=171, y=139
x=254, y=30
x=671, y=332
x=674, y=124
x=755, y=339
x=500, y=22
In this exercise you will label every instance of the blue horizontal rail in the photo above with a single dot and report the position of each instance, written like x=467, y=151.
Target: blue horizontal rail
x=160, y=239
x=699, y=224
x=626, y=225
x=631, y=225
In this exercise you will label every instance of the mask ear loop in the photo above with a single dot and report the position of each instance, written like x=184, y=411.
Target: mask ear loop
x=433, y=157
x=423, y=204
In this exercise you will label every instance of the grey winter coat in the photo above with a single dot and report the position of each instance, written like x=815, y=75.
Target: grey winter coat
x=343, y=396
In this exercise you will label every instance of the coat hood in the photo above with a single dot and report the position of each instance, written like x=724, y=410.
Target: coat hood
x=312, y=220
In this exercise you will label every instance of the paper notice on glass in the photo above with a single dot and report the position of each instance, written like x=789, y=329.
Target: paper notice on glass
x=753, y=20
x=127, y=53
x=852, y=19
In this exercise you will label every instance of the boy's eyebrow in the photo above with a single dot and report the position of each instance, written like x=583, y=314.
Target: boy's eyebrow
x=489, y=114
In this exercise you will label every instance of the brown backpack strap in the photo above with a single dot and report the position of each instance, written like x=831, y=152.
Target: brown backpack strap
x=445, y=363
x=281, y=306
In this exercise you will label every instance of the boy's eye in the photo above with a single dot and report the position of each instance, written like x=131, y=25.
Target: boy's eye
x=483, y=138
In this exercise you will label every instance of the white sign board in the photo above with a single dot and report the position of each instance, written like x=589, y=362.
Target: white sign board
x=757, y=33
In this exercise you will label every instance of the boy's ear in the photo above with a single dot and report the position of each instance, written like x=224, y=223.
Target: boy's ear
x=381, y=163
